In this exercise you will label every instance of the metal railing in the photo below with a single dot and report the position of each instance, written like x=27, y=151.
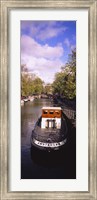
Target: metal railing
x=71, y=114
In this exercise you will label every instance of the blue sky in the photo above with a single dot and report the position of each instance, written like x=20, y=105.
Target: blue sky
x=45, y=46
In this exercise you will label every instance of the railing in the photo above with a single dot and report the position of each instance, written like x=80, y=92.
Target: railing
x=71, y=114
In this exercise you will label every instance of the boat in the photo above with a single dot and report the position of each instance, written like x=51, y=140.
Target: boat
x=31, y=98
x=50, y=131
x=26, y=99
x=22, y=102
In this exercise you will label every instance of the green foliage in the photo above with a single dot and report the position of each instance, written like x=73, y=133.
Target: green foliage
x=58, y=84
x=30, y=84
x=65, y=81
x=47, y=89
x=38, y=86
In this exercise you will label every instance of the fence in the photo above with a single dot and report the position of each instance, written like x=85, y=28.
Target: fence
x=71, y=114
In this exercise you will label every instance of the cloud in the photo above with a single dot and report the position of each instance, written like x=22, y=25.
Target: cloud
x=42, y=67
x=50, y=32
x=67, y=42
x=42, y=29
x=30, y=47
x=45, y=46
x=72, y=47
x=42, y=60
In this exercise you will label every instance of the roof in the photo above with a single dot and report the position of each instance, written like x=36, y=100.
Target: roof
x=51, y=108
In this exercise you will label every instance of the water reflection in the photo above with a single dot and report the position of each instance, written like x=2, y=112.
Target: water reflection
x=30, y=113
x=48, y=159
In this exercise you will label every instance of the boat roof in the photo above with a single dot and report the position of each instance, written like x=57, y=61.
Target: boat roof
x=51, y=108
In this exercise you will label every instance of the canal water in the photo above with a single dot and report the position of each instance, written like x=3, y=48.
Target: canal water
x=44, y=165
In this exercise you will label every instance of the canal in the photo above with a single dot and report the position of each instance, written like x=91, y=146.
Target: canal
x=45, y=165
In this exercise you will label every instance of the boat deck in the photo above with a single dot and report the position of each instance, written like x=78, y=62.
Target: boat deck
x=50, y=134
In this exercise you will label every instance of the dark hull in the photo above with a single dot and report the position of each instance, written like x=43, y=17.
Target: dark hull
x=48, y=147
x=49, y=139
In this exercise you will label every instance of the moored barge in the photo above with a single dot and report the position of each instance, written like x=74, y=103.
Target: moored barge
x=51, y=131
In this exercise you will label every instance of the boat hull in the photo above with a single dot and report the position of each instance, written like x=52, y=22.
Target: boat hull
x=48, y=146
x=49, y=139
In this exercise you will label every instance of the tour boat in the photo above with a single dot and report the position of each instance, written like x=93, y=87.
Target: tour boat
x=50, y=132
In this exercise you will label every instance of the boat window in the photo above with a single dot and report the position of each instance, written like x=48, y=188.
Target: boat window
x=57, y=112
x=45, y=112
x=51, y=112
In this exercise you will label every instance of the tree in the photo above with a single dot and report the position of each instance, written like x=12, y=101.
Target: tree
x=38, y=86
x=48, y=89
x=58, y=84
x=65, y=81
x=71, y=60
x=30, y=84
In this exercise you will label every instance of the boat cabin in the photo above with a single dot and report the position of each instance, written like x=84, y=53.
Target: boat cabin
x=51, y=117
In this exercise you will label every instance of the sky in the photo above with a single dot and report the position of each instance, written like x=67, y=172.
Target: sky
x=45, y=46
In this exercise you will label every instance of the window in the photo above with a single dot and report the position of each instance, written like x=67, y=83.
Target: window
x=51, y=112
x=45, y=112
x=57, y=112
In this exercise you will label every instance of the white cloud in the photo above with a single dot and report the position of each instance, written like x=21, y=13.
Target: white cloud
x=42, y=67
x=42, y=29
x=43, y=60
x=67, y=42
x=50, y=32
x=72, y=47
x=30, y=47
